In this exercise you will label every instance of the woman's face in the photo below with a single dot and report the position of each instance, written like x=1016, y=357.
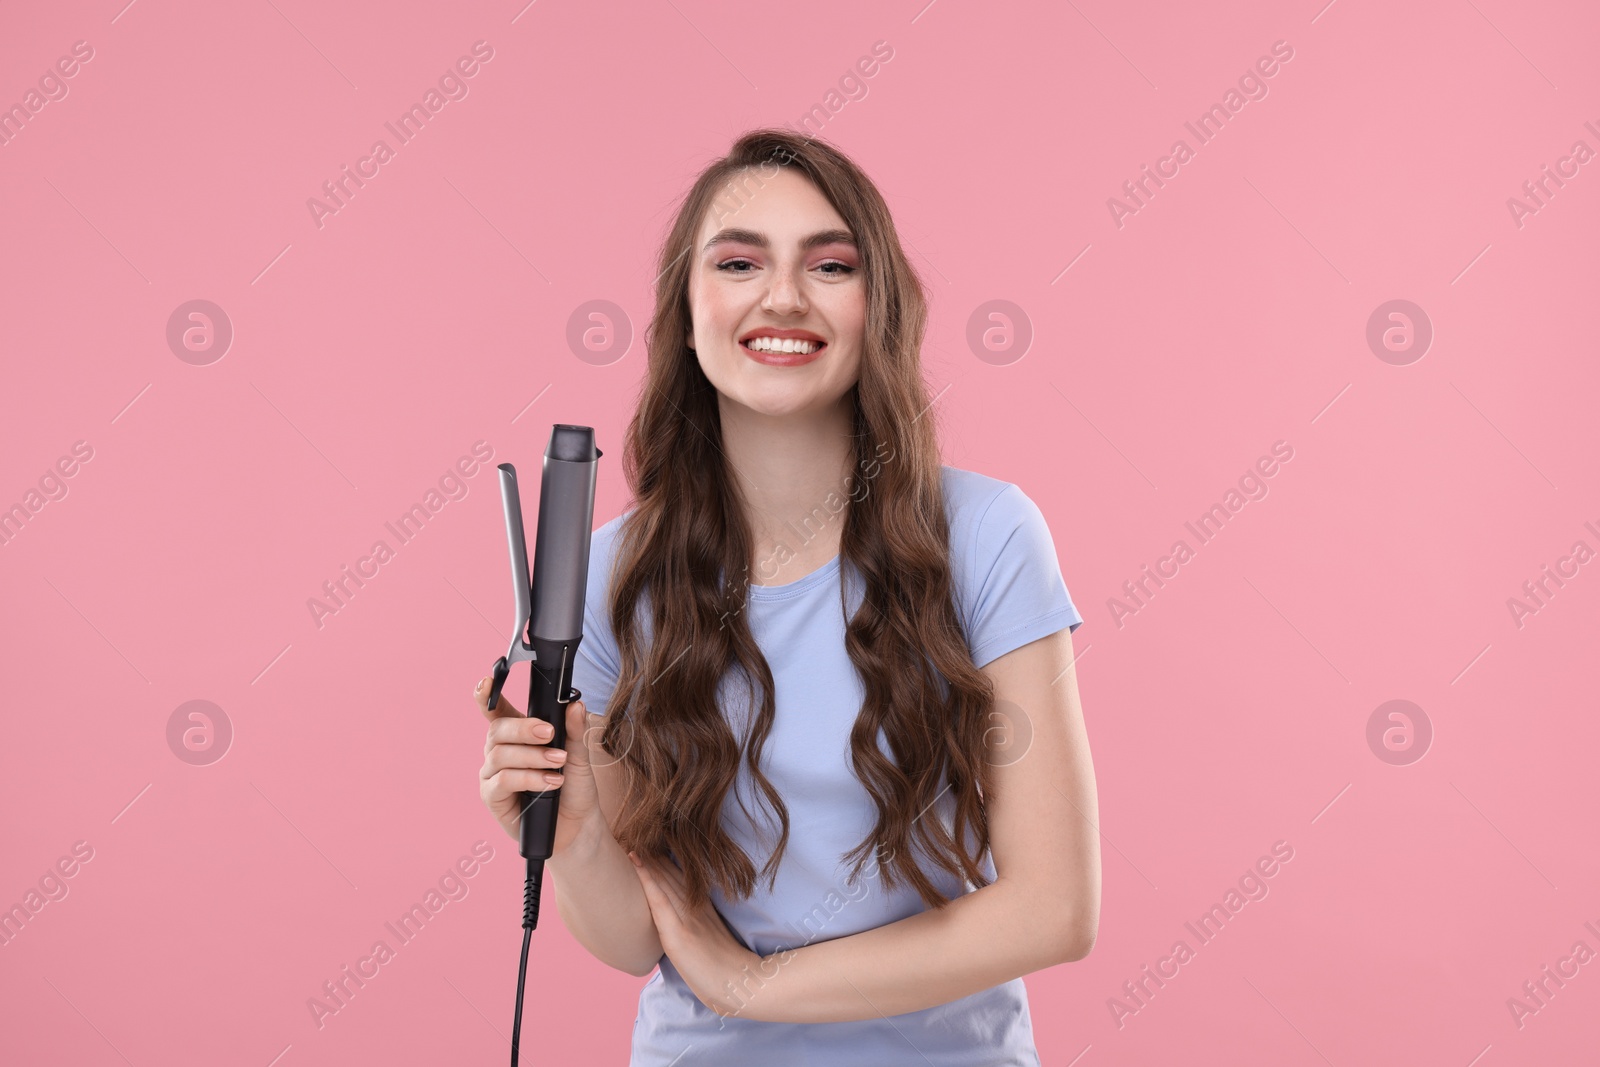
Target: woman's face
x=783, y=265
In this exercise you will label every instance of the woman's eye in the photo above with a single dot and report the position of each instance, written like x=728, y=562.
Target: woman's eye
x=736, y=266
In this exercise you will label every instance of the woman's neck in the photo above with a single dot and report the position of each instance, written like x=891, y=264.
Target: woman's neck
x=791, y=472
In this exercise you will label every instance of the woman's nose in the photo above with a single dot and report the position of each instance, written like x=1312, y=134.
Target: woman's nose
x=785, y=291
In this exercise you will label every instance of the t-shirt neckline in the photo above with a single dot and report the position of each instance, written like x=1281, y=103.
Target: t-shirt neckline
x=798, y=586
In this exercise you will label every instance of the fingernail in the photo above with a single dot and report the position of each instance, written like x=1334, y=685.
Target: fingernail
x=478, y=688
x=635, y=860
x=553, y=779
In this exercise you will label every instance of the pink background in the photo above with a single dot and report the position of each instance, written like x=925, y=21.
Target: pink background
x=369, y=354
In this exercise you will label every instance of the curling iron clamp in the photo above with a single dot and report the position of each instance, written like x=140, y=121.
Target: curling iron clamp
x=546, y=633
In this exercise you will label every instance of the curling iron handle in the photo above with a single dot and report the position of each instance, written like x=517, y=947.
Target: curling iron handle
x=549, y=694
x=539, y=824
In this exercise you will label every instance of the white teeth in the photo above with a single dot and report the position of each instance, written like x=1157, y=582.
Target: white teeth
x=774, y=344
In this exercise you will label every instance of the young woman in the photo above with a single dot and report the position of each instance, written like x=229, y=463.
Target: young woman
x=829, y=771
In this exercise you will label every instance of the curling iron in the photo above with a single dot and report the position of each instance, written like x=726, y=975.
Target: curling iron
x=550, y=612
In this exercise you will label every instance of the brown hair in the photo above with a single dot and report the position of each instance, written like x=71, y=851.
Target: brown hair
x=687, y=545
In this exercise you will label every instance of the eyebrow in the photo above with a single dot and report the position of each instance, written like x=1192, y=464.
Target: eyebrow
x=752, y=237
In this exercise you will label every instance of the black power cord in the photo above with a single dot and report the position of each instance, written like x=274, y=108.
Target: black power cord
x=530, y=919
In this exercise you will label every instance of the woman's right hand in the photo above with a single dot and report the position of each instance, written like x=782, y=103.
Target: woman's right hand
x=518, y=757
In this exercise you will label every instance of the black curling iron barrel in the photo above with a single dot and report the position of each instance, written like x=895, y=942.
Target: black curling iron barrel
x=547, y=630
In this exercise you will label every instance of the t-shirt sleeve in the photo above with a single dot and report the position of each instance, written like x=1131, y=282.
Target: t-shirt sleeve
x=595, y=669
x=1018, y=594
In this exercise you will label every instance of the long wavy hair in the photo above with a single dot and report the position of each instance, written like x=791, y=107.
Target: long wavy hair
x=686, y=547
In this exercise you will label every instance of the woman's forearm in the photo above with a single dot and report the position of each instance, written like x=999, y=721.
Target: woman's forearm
x=601, y=901
x=977, y=941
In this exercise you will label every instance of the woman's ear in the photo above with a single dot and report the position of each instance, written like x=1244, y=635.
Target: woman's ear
x=688, y=339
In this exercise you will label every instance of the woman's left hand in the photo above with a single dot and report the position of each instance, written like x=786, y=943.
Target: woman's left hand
x=715, y=966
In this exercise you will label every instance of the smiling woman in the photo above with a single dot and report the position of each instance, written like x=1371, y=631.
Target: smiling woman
x=779, y=288
x=825, y=729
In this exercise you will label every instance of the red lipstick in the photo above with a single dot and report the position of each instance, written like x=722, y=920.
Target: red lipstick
x=783, y=359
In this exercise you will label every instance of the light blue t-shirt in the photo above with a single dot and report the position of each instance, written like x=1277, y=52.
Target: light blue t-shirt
x=1009, y=592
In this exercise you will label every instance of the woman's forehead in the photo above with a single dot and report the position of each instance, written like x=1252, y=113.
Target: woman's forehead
x=785, y=208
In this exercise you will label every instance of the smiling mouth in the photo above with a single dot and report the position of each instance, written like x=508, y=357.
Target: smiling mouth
x=782, y=352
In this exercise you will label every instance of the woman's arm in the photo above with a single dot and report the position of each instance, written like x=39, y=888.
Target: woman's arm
x=1042, y=909
x=598, y=894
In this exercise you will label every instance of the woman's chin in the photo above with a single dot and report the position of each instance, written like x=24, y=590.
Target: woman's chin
x=777, y=403
x=773, y=393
